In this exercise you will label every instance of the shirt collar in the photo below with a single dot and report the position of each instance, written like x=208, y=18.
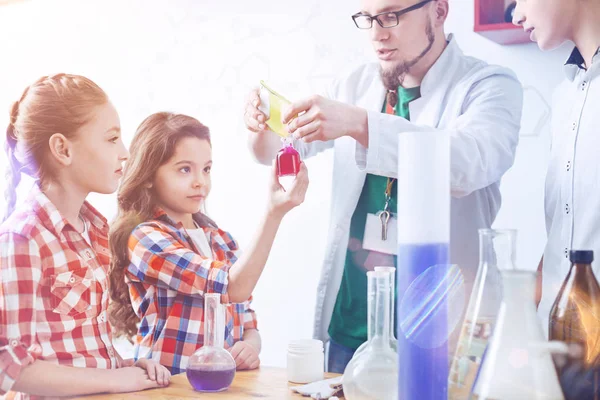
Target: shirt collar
x=161, y=215
x=439, y=70
x=576, y=63
x=54, y=221
x=202, y=220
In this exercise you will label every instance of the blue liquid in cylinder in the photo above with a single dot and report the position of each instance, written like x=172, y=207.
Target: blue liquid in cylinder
x=422, y=322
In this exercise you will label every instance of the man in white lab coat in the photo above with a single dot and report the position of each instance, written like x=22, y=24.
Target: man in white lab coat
x=422, y=82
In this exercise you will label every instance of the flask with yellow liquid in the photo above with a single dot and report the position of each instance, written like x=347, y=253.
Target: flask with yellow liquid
x=271, y=104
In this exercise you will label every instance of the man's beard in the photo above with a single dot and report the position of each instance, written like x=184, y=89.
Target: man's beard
x=394, y=77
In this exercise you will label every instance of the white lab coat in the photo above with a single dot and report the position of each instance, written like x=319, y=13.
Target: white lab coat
x=477, y=104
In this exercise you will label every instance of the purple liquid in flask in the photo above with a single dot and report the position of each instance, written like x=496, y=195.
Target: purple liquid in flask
x=211, y=368
x=215, y=379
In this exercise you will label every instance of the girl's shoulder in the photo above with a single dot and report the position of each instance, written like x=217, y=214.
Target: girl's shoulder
x=217, y=235
x=155, y=236
x=25, y=234
x=222, y=238
x=155, y=226
x=23, y=222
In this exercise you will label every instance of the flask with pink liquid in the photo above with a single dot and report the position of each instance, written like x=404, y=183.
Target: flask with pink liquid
x=288, y=160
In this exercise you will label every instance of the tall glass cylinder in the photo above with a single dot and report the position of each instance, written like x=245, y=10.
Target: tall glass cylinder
x=423, y=245
x=496, y=252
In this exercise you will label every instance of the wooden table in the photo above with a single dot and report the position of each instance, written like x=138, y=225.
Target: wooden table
x=262, y=383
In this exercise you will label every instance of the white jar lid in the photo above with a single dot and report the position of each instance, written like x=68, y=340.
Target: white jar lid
x=305, y=345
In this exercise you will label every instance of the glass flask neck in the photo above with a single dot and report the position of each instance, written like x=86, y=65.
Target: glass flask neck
x=497, y=248
x=379, y=307
x=391, y=271
x=287, y=141
x=214, y=320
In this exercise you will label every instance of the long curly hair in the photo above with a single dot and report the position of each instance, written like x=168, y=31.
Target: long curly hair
x=152, y=146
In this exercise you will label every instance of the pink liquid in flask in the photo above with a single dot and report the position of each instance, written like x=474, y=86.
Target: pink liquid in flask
x=288, y=161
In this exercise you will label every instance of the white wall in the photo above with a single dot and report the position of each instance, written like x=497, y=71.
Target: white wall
x=201, y=57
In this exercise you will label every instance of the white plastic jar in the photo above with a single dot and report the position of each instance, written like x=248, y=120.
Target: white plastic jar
x=305, y=361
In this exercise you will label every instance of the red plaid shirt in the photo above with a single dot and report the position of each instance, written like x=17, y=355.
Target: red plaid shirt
x=53, y=291
x=167, y=279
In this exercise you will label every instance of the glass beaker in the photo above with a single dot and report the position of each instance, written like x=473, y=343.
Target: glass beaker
x=391, y=271
x=517, y=363
x=496, y=252
x=373, y=374
x=211, y=368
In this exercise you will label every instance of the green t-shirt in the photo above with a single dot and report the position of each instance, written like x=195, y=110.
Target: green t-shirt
x=348, y=325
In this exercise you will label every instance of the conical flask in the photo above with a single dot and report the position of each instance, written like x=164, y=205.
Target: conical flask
x=372, y=374
x=496, y=251
x=517, y=363
x=211, y=368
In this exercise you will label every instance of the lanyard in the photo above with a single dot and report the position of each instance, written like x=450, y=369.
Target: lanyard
x=388, y=193
x=385, y=215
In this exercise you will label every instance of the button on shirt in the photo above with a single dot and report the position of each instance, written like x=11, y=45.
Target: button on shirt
x=573, y=181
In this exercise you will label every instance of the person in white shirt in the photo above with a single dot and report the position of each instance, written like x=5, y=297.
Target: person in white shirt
x=431, y=86
x=572, y=198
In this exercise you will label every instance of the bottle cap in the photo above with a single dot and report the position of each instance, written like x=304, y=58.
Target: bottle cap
x=582, y=256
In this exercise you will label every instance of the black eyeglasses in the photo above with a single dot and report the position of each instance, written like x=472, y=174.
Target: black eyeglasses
x=387, y=19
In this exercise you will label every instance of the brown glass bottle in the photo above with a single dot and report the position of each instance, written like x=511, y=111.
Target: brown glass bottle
x=575, y=315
